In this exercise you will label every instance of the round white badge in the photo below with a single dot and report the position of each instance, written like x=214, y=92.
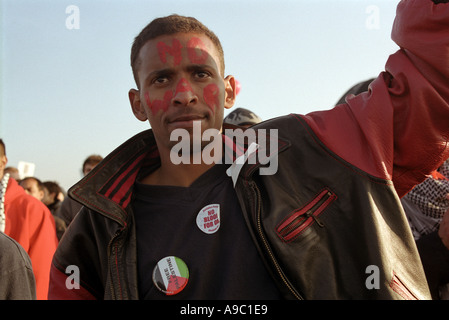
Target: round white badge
x=208, y=219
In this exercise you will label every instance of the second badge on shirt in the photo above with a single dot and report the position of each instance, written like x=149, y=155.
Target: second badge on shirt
x=208, y=219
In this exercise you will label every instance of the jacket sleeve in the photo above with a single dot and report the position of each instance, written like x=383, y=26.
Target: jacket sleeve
x=16, y=274
x=33, y=226
x=43, y=245
x=65, y=286
x=79, y=265
x=398, y=130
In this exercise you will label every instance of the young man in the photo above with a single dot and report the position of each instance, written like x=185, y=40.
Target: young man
x=33, y=186
x=327, y=224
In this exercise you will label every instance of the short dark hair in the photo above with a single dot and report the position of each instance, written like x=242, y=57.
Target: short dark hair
x=40, y=185
x=170, y=25
x=93, y=159
x=52, y=187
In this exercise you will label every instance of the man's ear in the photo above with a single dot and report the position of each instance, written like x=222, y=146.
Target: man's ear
x=137, y=105
x=230, y=92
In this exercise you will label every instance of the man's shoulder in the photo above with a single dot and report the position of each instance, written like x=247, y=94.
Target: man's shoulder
x=285, y=127
x=12, y=252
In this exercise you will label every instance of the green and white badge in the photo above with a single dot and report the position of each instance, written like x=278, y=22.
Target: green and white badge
x=170, y=275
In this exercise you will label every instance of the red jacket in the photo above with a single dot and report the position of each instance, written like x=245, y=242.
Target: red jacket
x=402, y=118
x=30, y=223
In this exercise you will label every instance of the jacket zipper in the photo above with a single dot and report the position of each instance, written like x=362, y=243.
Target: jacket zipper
x=301, y=219
x=112, y=254
x=267, y=247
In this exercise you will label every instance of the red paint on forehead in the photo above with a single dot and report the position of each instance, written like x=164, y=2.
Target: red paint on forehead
x=195, y=46
x=174, y=50
x=211, y=96
x=157, y=105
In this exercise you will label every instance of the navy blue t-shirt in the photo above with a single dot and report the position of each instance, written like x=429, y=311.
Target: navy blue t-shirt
x=204, y=227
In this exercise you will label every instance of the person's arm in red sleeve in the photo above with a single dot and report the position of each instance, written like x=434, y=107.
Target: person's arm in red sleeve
x=43, y=244
x=399, y=130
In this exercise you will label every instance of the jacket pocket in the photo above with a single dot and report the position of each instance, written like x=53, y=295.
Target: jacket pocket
x=399, y=287
x=300, y=219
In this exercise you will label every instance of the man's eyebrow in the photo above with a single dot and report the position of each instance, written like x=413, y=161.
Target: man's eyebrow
x=201, y=67
x=170, y=71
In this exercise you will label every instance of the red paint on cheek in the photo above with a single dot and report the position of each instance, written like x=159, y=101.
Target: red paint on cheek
x=157, y=105
x=195, y=46
x=174, y=50
x=211, y=96
x=147, y=99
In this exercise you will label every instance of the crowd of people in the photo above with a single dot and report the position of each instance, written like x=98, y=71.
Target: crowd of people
x=425, y=207
x=356, y=210
x=35, y=215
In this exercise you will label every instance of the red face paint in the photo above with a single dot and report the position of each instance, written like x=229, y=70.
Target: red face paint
x=157, y=105
x=147, y=99
x=183, y=86
x=174, y=50
x=211, y=96
x=195, y=46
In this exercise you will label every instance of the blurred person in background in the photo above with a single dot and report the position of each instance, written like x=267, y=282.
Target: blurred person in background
x=69, y=207
x=33, y=186
x=28, y=221
x=53, y=197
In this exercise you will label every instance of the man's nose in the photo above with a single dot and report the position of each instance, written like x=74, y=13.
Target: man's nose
x=184, y=95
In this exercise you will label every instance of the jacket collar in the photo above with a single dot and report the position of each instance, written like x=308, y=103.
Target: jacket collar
x=259, y=153
x=108, y=188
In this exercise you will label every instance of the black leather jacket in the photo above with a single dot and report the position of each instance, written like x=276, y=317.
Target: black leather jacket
x=318, y=229
x=328, y=223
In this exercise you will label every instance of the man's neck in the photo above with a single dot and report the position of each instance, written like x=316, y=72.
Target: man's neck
x=181, y=175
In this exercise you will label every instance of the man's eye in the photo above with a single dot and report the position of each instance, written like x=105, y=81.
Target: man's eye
x=160, y=80
x=202, y=74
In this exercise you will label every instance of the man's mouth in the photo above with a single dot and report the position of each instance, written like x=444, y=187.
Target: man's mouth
x=185, y=121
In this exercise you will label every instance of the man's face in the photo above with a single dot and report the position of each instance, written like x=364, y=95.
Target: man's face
x=31, y=187
x=3, y=161
x=180, y=82
x=88, y=168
